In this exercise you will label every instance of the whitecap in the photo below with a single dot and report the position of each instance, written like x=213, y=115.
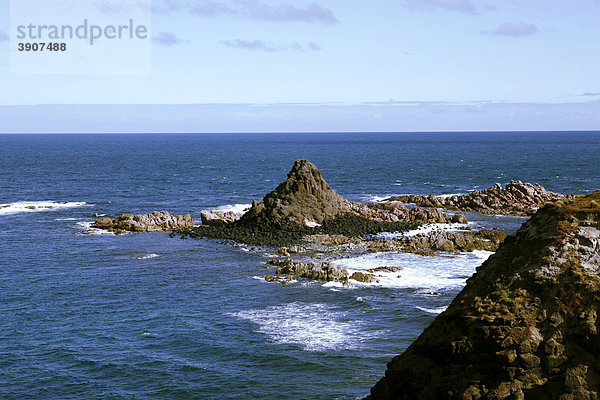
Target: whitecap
x=35, y=206
x=147, y=256
x=239, y=209
x=89, y=230
x=425, y=229
x=375, y=198
x=314, y=327
x=445, y=196
x=437, y=310
x=418, y=272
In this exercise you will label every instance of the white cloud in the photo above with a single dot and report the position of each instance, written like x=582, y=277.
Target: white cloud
x=167, y=39
x=259, y=45
x=251, y=9
x=513, y=29
x=464, y=6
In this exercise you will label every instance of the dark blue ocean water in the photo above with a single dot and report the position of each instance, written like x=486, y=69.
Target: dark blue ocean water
x=146, y=316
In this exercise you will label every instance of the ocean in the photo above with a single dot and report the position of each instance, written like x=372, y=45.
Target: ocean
x=147, y=316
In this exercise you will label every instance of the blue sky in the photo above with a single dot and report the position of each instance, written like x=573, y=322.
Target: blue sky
x=347, y=53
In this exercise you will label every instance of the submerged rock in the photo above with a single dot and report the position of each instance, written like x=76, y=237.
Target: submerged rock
x=158, y=221
x=363, y=277
x=517, y=198
x=525, y=326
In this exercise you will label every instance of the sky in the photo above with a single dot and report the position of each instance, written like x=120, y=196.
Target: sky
x=404, y=64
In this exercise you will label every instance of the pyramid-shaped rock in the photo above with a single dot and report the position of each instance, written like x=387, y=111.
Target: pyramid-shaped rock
x=526, y=325
x=304, y=199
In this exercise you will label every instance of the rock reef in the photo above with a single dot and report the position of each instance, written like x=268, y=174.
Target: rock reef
x=320, y=271
x=517, y=198
x=442, y=241
x=526, y=324
x=158, y=221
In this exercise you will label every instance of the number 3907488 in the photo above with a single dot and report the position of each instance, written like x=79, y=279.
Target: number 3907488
x=42, y=47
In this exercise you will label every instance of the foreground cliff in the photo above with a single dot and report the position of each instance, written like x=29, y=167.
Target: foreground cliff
x=524, y=327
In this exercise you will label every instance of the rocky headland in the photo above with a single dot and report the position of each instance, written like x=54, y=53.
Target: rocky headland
x=526, y=324
x=158, y=221
x=517, y=198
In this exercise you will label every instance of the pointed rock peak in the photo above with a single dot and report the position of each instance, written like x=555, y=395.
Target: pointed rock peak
x=304, y=198
x=304, y=176
x=303, y=167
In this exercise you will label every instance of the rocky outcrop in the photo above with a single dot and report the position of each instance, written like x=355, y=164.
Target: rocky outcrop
x=454, y=242
x=363, y=277
x=158, y=221
x=321, y=271
x=210, y=217
x=440, y=241
x=304, y=204
x=395, y=212
x=517, y=198
x=525, y=326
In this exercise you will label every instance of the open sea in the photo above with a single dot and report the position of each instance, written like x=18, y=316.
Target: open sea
x=146, y=316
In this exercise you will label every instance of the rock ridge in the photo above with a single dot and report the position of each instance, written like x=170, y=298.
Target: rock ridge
x=517, y=198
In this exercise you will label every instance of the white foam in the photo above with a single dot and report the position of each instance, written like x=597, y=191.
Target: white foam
x=437, y=310
x=424, y=229
x=35, y=206
x=418, y=272
x=239, y=209
x=314, y=327
x=376, y=199
x=445, y=196
x=147, y=256
x=333, y=284
x=88, y=230
x=262, y=279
